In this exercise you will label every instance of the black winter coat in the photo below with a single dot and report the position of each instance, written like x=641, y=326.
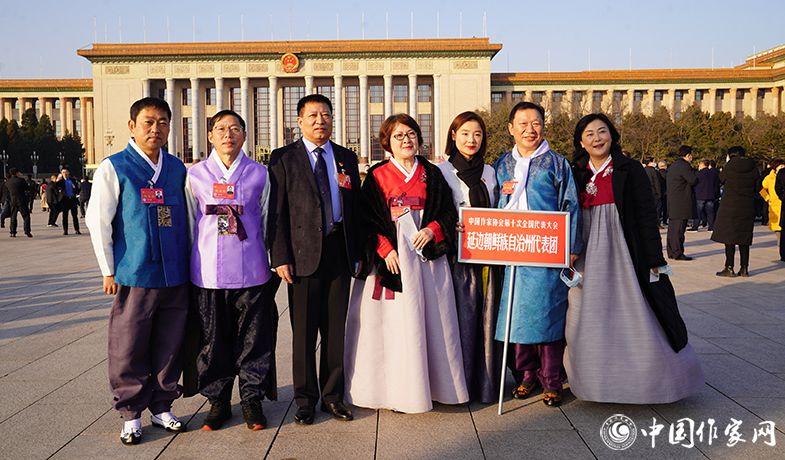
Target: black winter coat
x=375, y=220
x=681, y=193
x=736, y=215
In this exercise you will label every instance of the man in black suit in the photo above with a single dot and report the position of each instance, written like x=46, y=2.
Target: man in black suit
x=85, y=187
x=315, y=186
x=655, y=180
x=681, y=201
x=33, y=191
x=53, y=196
x=70, y=200
x=16, y=188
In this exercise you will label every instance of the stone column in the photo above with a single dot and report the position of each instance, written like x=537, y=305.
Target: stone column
x=173, y=126
x=630, y=101
x=650, y=94
x=752, y=103
x=145, y=87
x=2, y=109
x=69, y=114
x=89, y=128
x=83, y=121
x=712, y=101
x=413, y=96
x=672, y=102
x=731, y=106
x=196, y=117
x=508, y=97
x=437, y=116
x=273, y=82
x=527, y=95
x=244, y=111
x=690, y=100
x=42, y=102
x=775, y=101
x=22, y=103
x=388, y=95
x=589, y=100
x=308, y=85
x=364, y=141
x=569, y=102
x=548, y=104
x=63, y=118
x=338, y=110
x=219, y=94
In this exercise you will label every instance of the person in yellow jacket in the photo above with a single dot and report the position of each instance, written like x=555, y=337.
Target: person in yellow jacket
x=768, y=194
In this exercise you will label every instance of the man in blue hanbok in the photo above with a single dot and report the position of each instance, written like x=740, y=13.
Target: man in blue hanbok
x=534, y=177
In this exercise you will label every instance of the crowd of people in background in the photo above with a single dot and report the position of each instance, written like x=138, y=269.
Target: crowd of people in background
x=60, y=194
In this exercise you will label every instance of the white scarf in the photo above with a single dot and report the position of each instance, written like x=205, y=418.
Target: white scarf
x=519, y=200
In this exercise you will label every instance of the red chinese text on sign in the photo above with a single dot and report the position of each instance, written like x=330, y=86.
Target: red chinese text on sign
x=502, y=237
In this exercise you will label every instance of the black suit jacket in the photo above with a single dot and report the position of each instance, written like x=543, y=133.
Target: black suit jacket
x=74, y=184
x=295, y=219
x=17, y=189
x=52, y=192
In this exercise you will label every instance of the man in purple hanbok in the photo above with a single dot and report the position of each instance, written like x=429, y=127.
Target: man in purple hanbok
x=227, y=198
x=534, y=177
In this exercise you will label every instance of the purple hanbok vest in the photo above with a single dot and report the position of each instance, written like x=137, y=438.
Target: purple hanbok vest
x=224, y=261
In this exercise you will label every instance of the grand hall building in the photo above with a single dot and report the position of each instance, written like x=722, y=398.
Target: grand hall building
x=367, y=80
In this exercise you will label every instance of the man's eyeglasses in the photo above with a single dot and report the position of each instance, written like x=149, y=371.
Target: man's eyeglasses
x=221, y=130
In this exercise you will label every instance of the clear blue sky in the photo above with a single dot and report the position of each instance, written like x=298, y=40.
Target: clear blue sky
x=661, y=34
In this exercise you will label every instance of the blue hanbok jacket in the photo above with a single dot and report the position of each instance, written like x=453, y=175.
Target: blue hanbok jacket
x=539, y=295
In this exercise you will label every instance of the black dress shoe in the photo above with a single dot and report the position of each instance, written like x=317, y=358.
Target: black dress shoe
x=78, y=232
x=338, y=410
x=29, y=235
x=743, y=271
x=304, y=415
x=727, y=272
x=65, y=232
x=683, y=257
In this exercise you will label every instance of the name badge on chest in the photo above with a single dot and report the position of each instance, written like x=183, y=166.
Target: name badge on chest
x=344, y=181
x=223, y=191
x=508, y=188
x=152, y=196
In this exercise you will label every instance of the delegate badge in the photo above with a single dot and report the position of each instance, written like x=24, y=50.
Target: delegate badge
x=508, y=187
x=152, y=196
x=344, y=181
x=398, y=211
x=223, y=191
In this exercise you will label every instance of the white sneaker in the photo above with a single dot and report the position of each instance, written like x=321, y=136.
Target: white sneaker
x=132, y=432
x=169, y=422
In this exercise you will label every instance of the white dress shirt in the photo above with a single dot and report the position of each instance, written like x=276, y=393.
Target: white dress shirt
x=102, y=208
x=332, y=173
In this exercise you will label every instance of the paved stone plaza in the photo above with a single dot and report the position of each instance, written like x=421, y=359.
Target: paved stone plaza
x=54, y=392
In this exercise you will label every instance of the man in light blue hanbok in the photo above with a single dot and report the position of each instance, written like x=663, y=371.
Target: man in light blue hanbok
x=534, y=177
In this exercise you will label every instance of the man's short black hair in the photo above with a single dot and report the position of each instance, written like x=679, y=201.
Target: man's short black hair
x=525, y=105
x=13, y=172
x=313, y=98
x=736, y=151
x=224, y=113
x=150, y=102
x=685, y=150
